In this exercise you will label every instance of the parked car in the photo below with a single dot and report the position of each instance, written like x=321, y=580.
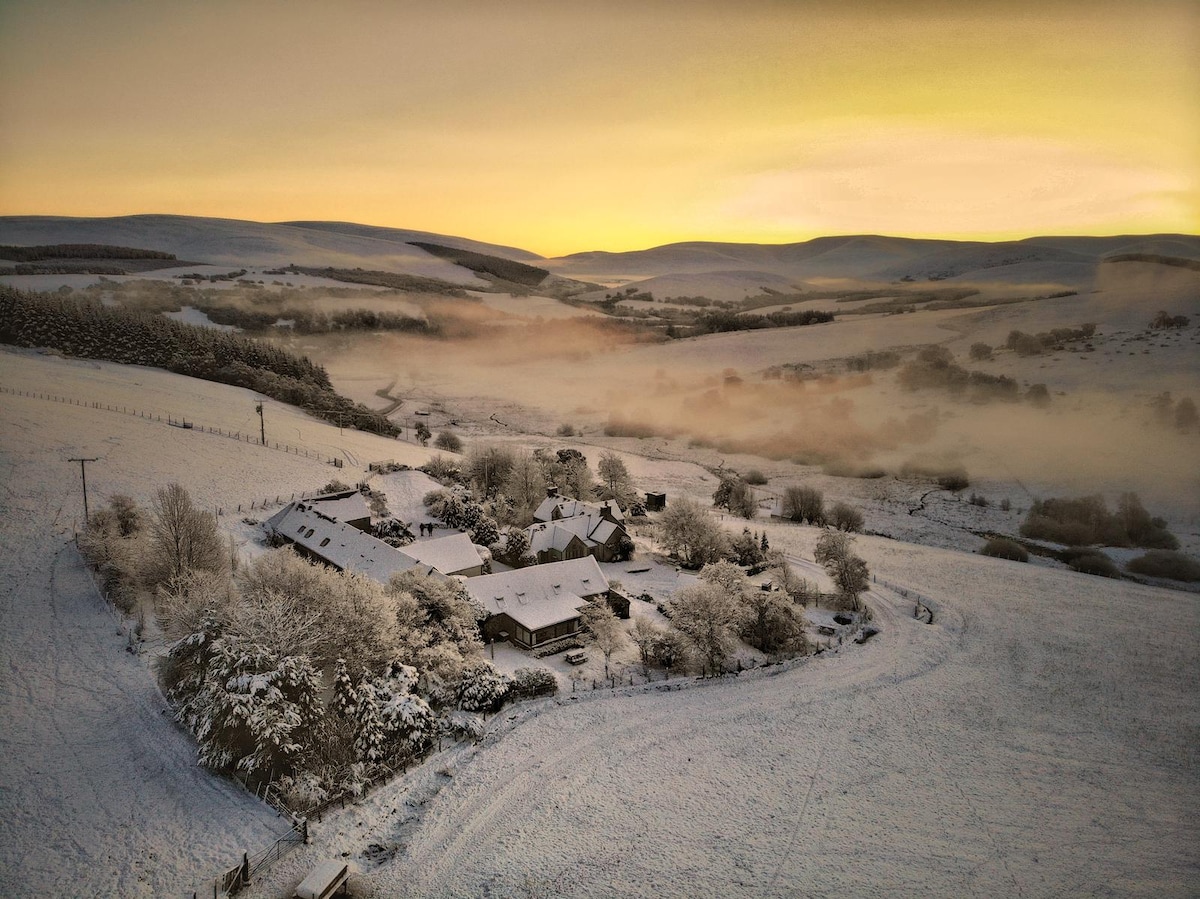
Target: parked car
x=576, y=657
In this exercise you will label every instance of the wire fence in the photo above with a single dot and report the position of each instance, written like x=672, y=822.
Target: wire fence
x=182, y=422
x=921, y=609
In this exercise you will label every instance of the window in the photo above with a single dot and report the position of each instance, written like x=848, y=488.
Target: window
x=325, y=542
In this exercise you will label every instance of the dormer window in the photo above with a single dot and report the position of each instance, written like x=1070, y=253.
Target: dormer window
x=325, y=542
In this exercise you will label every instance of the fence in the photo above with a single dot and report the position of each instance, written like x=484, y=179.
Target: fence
x=179, y=423
x=921, y=611
x=241, y=875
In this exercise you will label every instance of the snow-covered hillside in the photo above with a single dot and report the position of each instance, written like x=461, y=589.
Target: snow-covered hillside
x=1038, y=739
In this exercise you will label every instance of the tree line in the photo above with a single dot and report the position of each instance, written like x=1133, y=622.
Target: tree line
x=88, y=328
x=44, y=252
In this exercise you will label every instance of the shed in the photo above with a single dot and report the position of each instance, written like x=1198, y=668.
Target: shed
x=326, y=879
x=656, y=502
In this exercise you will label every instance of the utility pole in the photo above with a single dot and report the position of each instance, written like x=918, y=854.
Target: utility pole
x=262, y=423
x=83, y=473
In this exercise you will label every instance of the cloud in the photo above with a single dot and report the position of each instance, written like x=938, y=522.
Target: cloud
x=930, y=182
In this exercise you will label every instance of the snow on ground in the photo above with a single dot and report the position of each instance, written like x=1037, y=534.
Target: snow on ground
x=1039, y=739
x=100, y=794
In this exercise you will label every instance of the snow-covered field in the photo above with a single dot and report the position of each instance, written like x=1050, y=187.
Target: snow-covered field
x=1038, y=740
x=1041, y=738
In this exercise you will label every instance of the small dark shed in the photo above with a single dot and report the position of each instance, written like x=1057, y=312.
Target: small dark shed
x=656, y=502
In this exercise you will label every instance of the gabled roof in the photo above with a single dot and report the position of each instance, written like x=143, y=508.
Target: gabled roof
x=349, y=505
x=590, y=528
x=341, y=545
x=539, y=595
x=452, y=554
x=551, y=536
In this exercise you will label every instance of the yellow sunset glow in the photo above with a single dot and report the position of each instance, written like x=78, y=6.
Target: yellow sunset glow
x=566, y=126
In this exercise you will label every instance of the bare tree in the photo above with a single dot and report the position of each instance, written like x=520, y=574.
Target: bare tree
x=804, y=504
x=617, y=485
x=848, y=571
x=182, y=537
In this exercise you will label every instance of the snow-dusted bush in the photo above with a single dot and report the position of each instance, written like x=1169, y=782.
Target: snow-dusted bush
x=845, y=517
x=302, y=791
x=460, y=725
x=482, y=688
x=1000, y=548
x=531, y=682
x=1166, y=563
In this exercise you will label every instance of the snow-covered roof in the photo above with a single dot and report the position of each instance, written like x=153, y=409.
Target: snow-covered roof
x=348, y=506
x=539, y=595
x=342, y=545
x=449, y=555
x=554, y=508
x=590, y=528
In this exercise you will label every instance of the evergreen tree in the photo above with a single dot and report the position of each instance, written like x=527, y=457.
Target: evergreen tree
x=369, y=735
x=345, y=698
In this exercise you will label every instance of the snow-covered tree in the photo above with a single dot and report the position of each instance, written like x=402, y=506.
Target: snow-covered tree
x=482, y=688
x=369, y=734
x=345, y=698
x=688, y=531
x=254, y=711
x=706, y=614
x=847, y=570
x=605, y=628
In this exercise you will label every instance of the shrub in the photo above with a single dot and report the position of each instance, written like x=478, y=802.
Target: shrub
x=981, y=351
x=1164, y=563
x=804, y=504
x=565, y=430
x=978, y=500
x=1039, y=395
x=1000, y=548
x=1090, y=561
x=449, y=441
x=754, y=476
x=845, y=517
x=530, y=682
x=954, y=479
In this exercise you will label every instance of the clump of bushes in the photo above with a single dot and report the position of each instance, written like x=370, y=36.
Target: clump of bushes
x=1165, y=563
x=1087, y=521
x=1090, y=561
x=449, y=441
x=840, y=468
x=754, y=476
x=1001, y=548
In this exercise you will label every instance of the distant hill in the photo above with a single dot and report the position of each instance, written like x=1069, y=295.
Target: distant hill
x=722, y=269
x=886, y=259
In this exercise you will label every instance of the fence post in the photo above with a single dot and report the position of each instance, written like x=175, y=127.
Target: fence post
x=245, y=867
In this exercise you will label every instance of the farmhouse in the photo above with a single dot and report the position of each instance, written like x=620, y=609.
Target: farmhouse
x=320, y=536
x=534, y=605
x=567, y=528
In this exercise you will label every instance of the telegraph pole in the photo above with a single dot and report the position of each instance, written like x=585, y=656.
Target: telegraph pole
x=83, y=473
x=262, y=423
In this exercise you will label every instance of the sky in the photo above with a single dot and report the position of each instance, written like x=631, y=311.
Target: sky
x=569, y=126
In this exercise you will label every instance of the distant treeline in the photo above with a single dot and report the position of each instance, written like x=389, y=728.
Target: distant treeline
x=78, y=251
x=724, y=320
x=394, y=280
x=92, y=330
x=309, y=321
x=482, y=264
x=1193, y=264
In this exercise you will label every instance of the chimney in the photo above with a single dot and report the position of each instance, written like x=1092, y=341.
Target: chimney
x=551, y=492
